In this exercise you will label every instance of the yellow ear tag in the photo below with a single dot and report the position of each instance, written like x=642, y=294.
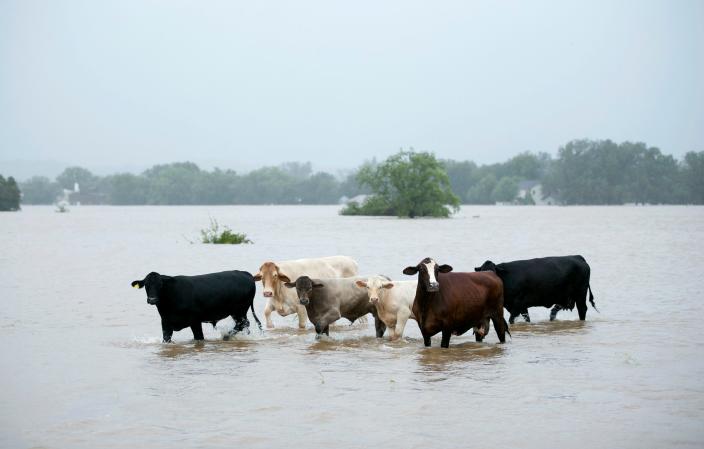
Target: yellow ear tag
x=136, y=286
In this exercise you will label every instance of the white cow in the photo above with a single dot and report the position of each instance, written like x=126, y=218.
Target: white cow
x=285, y=301
x=393, y=301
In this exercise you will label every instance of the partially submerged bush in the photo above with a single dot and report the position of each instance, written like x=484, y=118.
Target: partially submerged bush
x=213, y=234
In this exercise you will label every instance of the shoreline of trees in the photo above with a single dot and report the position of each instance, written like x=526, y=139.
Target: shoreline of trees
x=583, y=172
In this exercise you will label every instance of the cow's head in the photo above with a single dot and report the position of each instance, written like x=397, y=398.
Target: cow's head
x=375, y=285
x=152, y=283
x=271, y=277
x=304, y=288
x=487, y=266
x=427, y=271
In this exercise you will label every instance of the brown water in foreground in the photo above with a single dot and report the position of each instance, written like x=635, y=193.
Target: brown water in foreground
x=83, y=366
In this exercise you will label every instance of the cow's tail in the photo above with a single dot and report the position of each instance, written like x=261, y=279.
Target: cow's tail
x=259, y=323
x=506, y=327
x=591, y=298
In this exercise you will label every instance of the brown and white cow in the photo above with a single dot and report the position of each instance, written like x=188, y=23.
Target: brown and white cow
x=453, y=303
x=274, y=275
x=393, y=301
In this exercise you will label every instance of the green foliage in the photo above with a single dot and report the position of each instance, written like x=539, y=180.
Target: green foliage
x=603, y=172
x=584, y=172
x=408, y=184
x=39, y=190
x=476, y=184
x=506, y=190
x=693, y=177
x=9, y=194
x=213, y=234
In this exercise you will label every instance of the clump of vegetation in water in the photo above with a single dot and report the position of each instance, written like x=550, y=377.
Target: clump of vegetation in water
x=213, y=234
x=407, y=184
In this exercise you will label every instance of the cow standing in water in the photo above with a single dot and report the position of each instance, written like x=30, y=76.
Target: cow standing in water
x=189, y=301
x=393, y=301
x=274, y=275
x=328, y=300
x=453, y=303
x=561, y=282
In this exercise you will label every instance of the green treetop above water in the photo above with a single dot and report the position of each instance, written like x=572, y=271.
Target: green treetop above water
x=407, y=184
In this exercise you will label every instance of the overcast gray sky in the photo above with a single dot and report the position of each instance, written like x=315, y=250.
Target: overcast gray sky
x=122, y=85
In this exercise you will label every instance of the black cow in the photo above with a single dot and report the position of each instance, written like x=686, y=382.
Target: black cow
x=559, y=281
x=185, y=301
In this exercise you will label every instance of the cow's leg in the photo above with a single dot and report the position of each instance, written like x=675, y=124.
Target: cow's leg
x=513, y=316
x=553, y=312
x=582, y=310
x=525, y=315
x=302, y=316
x=167, y=331
x=445, y=343
x=241, y=323
x=379, y=326
x=267, y=314
x=499, y=327
x=426, y=340
x=401, y=320
x=197, y=330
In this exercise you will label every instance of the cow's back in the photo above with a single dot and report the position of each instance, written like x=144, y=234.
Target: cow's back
x=323, y=267
x=344, y=295
x=541, y=281
x=207, y=297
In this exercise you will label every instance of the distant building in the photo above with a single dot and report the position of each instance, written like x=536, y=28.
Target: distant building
x=534, y=190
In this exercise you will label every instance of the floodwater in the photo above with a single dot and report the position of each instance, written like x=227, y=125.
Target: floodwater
x=83, y=365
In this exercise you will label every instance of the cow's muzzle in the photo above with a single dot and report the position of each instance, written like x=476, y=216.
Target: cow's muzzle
x=304, y=301
x=152, y=301
x=433, y=287
x=374, y=300
x=268, y=294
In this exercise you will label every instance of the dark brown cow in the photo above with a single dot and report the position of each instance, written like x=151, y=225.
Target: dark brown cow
x=453, y=303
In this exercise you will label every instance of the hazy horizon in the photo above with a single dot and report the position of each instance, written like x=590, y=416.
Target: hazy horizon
x=121, y=86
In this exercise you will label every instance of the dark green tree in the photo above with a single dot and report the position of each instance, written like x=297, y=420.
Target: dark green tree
x=693, y=177
x=408, y=184
x=9, y=194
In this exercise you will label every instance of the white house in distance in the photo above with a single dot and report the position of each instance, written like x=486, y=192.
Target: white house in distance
x=535, y=189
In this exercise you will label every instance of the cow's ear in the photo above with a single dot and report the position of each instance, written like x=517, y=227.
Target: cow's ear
x=410, y=270
x=317, y=285
x=361, y=284
x=258, y=276
x=284, y=278
x=290, y=284
x=389, y=285
x=137, y=284
x=444, y=268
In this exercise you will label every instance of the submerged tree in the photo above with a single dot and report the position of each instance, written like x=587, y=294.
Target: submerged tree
x=408, y=184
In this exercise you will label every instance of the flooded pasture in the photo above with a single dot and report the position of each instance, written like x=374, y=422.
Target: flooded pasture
x=83, y=365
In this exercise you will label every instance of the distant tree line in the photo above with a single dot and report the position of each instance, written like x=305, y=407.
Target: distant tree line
x=583, y=172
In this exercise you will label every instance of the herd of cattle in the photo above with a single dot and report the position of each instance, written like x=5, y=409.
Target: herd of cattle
x=326, y=289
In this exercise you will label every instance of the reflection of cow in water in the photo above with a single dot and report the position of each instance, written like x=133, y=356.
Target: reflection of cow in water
x=559, y=281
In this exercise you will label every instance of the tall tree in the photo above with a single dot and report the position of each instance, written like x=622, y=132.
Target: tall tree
x=412, y=184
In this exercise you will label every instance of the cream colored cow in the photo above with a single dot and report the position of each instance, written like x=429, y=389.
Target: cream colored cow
x=283, y=300
x=393, y=301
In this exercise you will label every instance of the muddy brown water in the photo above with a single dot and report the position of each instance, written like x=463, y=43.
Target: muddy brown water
x=83, y=366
